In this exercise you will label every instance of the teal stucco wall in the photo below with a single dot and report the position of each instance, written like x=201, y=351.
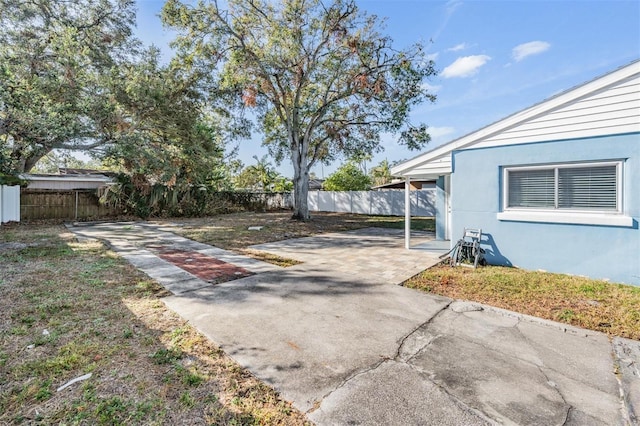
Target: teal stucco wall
x=596, y=251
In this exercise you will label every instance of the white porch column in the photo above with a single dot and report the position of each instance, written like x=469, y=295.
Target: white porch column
x=407, y=212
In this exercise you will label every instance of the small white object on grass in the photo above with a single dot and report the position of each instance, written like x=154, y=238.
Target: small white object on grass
x=77, y=379
x=255, y=228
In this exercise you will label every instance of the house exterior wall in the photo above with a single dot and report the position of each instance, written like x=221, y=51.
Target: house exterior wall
x=602, y=252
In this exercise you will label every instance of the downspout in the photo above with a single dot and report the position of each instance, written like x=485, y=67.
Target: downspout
x=407, y=213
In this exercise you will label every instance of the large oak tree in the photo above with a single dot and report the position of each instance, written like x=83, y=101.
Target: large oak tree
x=322, y=79
x=54, y=56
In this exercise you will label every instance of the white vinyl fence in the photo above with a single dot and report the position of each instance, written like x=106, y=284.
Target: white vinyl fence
x=387, y=203
x=9, y=203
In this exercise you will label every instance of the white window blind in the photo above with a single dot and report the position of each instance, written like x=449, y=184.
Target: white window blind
x=588, y=188
x=592, y=187
x=532, y=188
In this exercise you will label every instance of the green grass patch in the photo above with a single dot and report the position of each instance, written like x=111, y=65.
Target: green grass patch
x=395, y=222
x=166, y=356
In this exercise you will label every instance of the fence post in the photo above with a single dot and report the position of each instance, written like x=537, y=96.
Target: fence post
x=407, y=213
x=76, y=216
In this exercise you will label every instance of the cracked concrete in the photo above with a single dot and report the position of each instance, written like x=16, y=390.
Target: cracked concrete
x=335, y=336
x=627, y=360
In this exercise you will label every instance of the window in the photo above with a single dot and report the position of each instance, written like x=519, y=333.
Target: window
x=586, y=193
x=580, y=187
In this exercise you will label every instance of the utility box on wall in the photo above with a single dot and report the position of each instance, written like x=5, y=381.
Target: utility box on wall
x=9, y=203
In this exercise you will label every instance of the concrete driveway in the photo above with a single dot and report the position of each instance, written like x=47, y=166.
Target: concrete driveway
x=340, y=339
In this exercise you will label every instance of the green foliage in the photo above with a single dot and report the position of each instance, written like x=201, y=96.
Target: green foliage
x=54, y=160
x=282, y=184
x=184, y=200
x=11, y=180
x=321, y=78
x=262, y=176
x=166, y=356
x=54, y=58
x=348, y=177
x=381, y=174
x=164, y=134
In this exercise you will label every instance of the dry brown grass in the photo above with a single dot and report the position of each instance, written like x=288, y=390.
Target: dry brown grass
x=594, y=304
x=231, y=231
x=103, y=317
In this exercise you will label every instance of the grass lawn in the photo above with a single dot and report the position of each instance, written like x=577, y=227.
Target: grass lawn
x=70, y=308
x=594, y=304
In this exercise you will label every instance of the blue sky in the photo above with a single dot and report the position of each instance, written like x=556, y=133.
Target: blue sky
x=494, y=57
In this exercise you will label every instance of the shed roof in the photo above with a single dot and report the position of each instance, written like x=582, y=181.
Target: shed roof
x=65, y=178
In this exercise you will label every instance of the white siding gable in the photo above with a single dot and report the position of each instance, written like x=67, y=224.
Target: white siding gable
x=611, y=110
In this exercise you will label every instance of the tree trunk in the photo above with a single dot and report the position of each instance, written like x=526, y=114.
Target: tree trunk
x=23, y=162
x=30, y=163
x=300, y=187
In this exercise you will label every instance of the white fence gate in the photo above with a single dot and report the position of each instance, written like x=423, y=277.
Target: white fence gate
x=386, y=203
x=9, y=203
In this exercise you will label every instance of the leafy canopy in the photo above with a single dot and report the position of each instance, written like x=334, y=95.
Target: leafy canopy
x=262, y=176
x=349, y=177
x=165, y=134
x=53, y=56
x=319, y=76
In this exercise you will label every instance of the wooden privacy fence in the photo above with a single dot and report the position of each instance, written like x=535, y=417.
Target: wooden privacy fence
x=71, y=204
x=84, y=204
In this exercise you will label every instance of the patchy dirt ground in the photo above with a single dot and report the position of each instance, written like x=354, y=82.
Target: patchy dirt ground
x=69, y=309
x=233, y=231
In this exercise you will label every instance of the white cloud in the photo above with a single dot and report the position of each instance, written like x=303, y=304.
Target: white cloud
x=432, y=56
x=457, y=47
x=521, y=51
x=465, y=66
x=431, y=88
x=438, y=134
x=452, y=5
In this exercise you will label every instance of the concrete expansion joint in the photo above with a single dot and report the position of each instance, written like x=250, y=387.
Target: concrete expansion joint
x=429, y=320
x=395, y=358
x=567, y=416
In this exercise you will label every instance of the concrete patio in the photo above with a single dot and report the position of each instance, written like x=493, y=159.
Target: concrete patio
x=340, y=339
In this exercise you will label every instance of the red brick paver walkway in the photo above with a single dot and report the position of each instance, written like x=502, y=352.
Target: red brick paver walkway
x=204, y=267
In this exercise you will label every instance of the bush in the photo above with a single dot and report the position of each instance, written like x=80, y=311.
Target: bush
x=181, y=201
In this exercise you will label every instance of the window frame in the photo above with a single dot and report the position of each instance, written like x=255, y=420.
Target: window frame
x=565, y=215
